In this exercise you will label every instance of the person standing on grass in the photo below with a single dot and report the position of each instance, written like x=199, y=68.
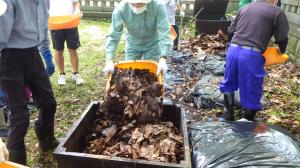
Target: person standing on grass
x=250, y=33
x=71, y=36
x=21, y=31
x=171, y=6
x=147, y=32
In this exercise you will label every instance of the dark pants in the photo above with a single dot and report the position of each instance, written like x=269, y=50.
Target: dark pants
x=19, y=68
x=176, y=28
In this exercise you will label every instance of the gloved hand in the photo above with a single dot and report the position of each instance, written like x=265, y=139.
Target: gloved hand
x=50, y=68
x=162, y=66
x=3, y=7
x=182, y=14
x=3, y=152
x=109, y=67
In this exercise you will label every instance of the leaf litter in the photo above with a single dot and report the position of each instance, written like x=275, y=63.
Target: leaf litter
x=129, y=124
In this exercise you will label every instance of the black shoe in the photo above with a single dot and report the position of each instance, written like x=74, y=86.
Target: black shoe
x=250, y=115
x=48, y=144
x=228, y=112
x=18, y=156
x=47, y=140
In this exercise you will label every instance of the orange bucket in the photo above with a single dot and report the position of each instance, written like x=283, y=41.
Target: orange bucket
x=272, y=56
x=8, y=164
x=63, y=22
x=138, y=64
x=173, y=33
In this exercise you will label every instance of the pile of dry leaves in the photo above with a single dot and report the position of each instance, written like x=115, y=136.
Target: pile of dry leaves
x=135, y=99
x=207, y=43
x=160, y=142
x=135, y=94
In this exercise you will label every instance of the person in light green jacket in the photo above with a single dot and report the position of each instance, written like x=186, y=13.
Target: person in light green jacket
x=147, y=31
x=244, y=2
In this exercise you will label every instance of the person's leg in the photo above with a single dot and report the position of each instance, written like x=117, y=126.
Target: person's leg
x=73, y=43
x=58, y=40
x=74, y=60
x=13, y=68
x=42, y=91
x=251, y=76
x=59, y=61
x=230, y=82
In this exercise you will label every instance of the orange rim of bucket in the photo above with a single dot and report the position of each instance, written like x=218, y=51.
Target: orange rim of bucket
x=63, y=22
x=8, y=164
x=138, y=64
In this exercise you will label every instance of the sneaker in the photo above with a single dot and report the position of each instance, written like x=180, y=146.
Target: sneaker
x=61, y=79
x=77, y=78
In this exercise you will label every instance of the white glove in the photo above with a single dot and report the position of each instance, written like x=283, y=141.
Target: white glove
x=162, y=66
x=3, y=7
x=3, y=152
x=182, y=14
x=109, y=67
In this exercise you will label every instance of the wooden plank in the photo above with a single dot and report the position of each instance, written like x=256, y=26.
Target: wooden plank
x=293, y=18
x=103, y=3
x=107, y=0
x=294, y=2
x=94, y=14
x=112, y=4
x=187, y=2
x=294, y=30
x=98, y=9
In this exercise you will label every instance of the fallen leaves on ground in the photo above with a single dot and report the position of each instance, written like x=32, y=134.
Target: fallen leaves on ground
x=208, y=43
x=282, y=87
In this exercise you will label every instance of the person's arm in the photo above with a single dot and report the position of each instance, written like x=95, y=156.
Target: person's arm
x=163, y=28
x=6, y=24
x=115, y=32
x=76, y=6
x=232, y=27
x=281, y=26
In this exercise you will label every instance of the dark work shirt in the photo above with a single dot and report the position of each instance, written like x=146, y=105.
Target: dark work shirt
x=257, y=22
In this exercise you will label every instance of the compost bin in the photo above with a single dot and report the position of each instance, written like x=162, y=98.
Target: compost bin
x=69, y=153
x=212, y=18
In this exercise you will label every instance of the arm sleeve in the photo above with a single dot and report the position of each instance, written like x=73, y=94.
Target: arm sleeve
x=163, y=28
x=6, y=25
x=115, y=32
x=232, y=27
x=281, y=27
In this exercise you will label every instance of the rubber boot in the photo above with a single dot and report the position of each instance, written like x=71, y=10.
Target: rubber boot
x=250, y=114
x=47, y=140
x=228, y=112
x=18, y=156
